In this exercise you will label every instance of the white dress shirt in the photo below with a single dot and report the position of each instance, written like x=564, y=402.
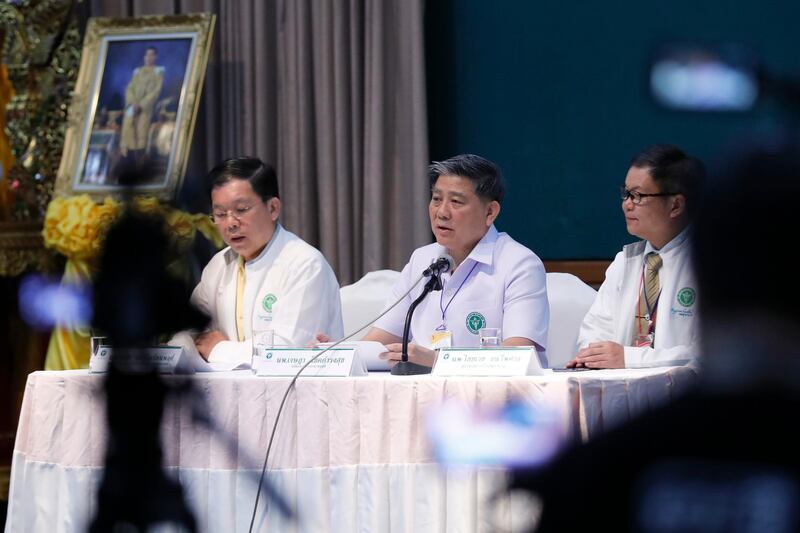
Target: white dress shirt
x=289, y=288
x=500, y=284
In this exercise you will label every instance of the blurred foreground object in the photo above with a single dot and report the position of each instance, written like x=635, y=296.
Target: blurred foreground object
x=45, y=303
x=717, y=78
x=512, y=435
x=136, y=300
x=696, y=78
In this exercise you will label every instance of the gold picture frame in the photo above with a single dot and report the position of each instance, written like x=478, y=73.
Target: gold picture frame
x=135, y=103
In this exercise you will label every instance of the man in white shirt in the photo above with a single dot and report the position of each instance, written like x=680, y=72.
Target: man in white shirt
x=710, y=458
x=496, y=283
x=645, y=313
x=267, y=278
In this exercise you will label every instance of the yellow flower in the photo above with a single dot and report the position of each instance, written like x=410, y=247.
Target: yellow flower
x=148, y=204
x=209, y=230
x=181, y=227
x=76, y=226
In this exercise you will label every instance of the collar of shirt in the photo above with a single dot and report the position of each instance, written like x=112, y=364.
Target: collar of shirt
x=679, y=239
x=262, y=258
x=483, y=252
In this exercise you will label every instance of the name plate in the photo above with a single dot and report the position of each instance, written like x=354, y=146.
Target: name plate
x=165, y=359
x=504, y=361
x=338, y=362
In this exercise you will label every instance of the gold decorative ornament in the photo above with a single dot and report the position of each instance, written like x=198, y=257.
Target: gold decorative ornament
x=40, y=47
x=21, y=249
x=40, y=54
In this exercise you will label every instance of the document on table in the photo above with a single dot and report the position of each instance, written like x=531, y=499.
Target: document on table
x=184, y=340
x=368, y=352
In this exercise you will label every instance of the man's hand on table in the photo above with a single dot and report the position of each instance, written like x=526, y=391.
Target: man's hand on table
x=416, y=354
x=606, y=354
x=205, y=342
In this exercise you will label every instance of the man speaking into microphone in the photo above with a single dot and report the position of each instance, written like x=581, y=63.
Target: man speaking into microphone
x=495, y=282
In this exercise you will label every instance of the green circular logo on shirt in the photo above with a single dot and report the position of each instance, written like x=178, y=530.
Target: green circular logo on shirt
x=475, y=321
x=269, y=355
x=686, y=296
x=267, y=302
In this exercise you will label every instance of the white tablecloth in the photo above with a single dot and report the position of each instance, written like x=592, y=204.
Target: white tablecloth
x=350, y=453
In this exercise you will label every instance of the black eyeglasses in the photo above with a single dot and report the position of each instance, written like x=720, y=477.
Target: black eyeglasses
x=636, y=196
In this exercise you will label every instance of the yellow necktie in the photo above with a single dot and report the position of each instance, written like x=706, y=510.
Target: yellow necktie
x=240, y=300
x=648, y=299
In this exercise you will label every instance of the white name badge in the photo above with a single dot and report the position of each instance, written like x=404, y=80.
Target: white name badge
x=165, y=359
x=503, y=361
x=339, y=362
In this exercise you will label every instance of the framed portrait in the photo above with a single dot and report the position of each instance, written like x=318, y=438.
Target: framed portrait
x=135, y=104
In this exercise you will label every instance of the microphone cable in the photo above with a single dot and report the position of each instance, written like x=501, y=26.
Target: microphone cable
x=297, y=375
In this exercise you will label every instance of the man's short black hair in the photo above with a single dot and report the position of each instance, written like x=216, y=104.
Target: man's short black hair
x=485, y=175
x=261, y=176
x=153, y=48
x=672, y=170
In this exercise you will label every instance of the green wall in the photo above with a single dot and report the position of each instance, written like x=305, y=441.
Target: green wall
x=556, y=94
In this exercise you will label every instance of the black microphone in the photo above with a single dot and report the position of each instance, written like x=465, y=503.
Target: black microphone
x=404, y=367
x=445, y=263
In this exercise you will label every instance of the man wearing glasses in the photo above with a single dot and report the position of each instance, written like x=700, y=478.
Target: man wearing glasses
x=267, y=278
x=645, y=313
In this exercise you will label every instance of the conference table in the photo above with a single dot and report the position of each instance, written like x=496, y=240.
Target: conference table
x=350, y=454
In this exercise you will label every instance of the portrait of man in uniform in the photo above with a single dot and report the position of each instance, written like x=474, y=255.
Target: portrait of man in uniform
x=134, y=119
x=135, y=103
x=140, y=98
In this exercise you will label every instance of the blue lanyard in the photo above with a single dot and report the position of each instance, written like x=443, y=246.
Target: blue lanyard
x=441, y=295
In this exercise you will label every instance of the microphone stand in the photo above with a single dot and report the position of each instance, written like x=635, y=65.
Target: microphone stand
x=405, y=367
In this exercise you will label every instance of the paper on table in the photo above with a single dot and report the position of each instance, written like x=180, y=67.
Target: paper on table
x=368, y=352
x=184, y=340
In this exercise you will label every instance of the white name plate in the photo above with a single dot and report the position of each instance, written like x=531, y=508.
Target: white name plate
x=503, y=361
x=165, y=359
x=338, y=362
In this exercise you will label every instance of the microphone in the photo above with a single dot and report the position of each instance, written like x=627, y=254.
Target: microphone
x=445, y=263
x=404, y=367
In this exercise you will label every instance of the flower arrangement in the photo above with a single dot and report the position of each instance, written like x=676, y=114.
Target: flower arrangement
x=76, y=227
